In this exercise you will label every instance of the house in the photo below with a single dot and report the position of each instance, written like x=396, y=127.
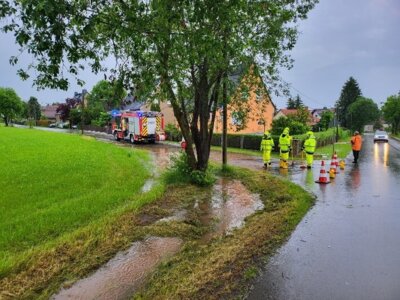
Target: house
x=251, y=98
x=284, y=112
x=50, y=112
x=251, y=109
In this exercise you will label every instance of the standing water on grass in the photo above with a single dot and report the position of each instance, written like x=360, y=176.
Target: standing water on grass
x=122, y=276
x=230, y=204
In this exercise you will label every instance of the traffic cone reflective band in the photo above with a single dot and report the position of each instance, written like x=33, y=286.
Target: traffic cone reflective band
x=335, y=163
x=335, y=159
x=323, y=176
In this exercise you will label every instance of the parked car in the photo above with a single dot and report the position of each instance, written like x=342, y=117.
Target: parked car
x=53, y=125
x=381, y=136
x=74, y=126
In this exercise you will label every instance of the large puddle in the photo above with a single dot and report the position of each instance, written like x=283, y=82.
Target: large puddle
x=230, y=204
x=124, y=274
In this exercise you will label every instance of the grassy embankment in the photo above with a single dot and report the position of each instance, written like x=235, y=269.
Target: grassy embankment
x=59, y=196
x=60, y=252
x=225, y=267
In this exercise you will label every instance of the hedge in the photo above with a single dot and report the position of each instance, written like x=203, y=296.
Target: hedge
x=252, y=142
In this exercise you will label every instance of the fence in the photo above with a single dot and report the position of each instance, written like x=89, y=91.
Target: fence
x=252, y=142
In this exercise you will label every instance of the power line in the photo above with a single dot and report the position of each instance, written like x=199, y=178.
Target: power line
x=309, y=98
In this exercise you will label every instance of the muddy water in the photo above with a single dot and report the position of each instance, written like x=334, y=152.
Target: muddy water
x=123, y=275
x=230, y=204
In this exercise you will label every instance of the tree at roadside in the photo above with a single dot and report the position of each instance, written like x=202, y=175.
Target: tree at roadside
x=298, y=103
x=325, y=121
x=362, y=112
x=106, y=95
x=10, y=104
x=185, y=48
x=295, y=124
x=33, y=109
x=291, y=104
x=350, y=93
x=391, y=112
x=64, y=109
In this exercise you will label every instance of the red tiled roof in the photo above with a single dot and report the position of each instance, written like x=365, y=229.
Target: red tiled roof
x=286, y=111
x=49, y=111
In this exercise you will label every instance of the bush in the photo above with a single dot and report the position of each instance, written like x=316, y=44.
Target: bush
x=180, y=172
x=173, y=133
x=43, y=123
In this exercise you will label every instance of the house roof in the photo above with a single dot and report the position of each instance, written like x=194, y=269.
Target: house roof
x=131, y=103
x=49, y=111
x=287, y=112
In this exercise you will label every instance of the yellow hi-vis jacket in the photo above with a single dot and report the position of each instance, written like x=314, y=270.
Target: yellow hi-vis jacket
x=284, y=142
x=310, y=144
x=267, y=144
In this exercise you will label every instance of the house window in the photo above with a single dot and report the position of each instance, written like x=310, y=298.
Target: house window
x=237, y=119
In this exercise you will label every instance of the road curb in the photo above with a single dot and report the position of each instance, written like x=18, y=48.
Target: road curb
x=395, y=138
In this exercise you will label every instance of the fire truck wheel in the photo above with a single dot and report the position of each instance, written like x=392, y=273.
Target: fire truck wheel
x=132, y=140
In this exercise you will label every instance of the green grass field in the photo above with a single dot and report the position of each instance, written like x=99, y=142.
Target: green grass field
x=342, y=148
x=53, y=184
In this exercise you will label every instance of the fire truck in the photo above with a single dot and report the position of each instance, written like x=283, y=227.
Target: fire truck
x=138, y=126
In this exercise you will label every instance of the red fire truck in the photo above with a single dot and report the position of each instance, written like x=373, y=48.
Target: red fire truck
x=138, y=126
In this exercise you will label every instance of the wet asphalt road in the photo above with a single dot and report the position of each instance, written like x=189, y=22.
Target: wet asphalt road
x=348, y=245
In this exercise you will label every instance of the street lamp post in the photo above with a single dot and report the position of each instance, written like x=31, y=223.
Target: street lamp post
x=84, y=92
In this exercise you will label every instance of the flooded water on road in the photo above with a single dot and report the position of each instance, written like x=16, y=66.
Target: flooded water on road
x=348, y=245
x=124, y=274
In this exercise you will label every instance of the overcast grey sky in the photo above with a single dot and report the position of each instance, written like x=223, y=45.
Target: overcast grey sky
x=340, y=38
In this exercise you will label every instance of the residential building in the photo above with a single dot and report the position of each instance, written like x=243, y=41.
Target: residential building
x=251, y=109
x=50, y=112
x=284, y=112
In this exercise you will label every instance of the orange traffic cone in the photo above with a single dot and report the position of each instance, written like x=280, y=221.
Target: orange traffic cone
x=323, y=176
x=335, y=159
x=335, y=162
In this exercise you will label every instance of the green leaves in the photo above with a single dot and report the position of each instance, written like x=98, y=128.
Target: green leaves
x=10, y=104
x=362, y=112
x=391, y=112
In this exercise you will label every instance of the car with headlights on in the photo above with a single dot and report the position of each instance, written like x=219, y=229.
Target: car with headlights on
x=381, y=136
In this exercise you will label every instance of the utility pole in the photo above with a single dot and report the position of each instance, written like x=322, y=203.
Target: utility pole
x=224, y=121
x=84, y=92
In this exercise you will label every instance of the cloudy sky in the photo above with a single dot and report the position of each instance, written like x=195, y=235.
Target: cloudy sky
x=340, y=38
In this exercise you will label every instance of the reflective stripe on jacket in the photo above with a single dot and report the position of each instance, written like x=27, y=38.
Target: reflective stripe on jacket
x=284, y=142
x=267, y=144
x=310, y=144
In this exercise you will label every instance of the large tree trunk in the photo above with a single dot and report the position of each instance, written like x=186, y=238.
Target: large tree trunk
x=6, y=121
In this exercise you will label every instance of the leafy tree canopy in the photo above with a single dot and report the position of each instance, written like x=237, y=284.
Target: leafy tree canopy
x=64, y=109
x=325, y=121
x=350, y=93
x=11, y=104
x=391, y=112
x=106, y=95
x=34, y=109
x=291, y=121
x=362, y=112
x=185, y=48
